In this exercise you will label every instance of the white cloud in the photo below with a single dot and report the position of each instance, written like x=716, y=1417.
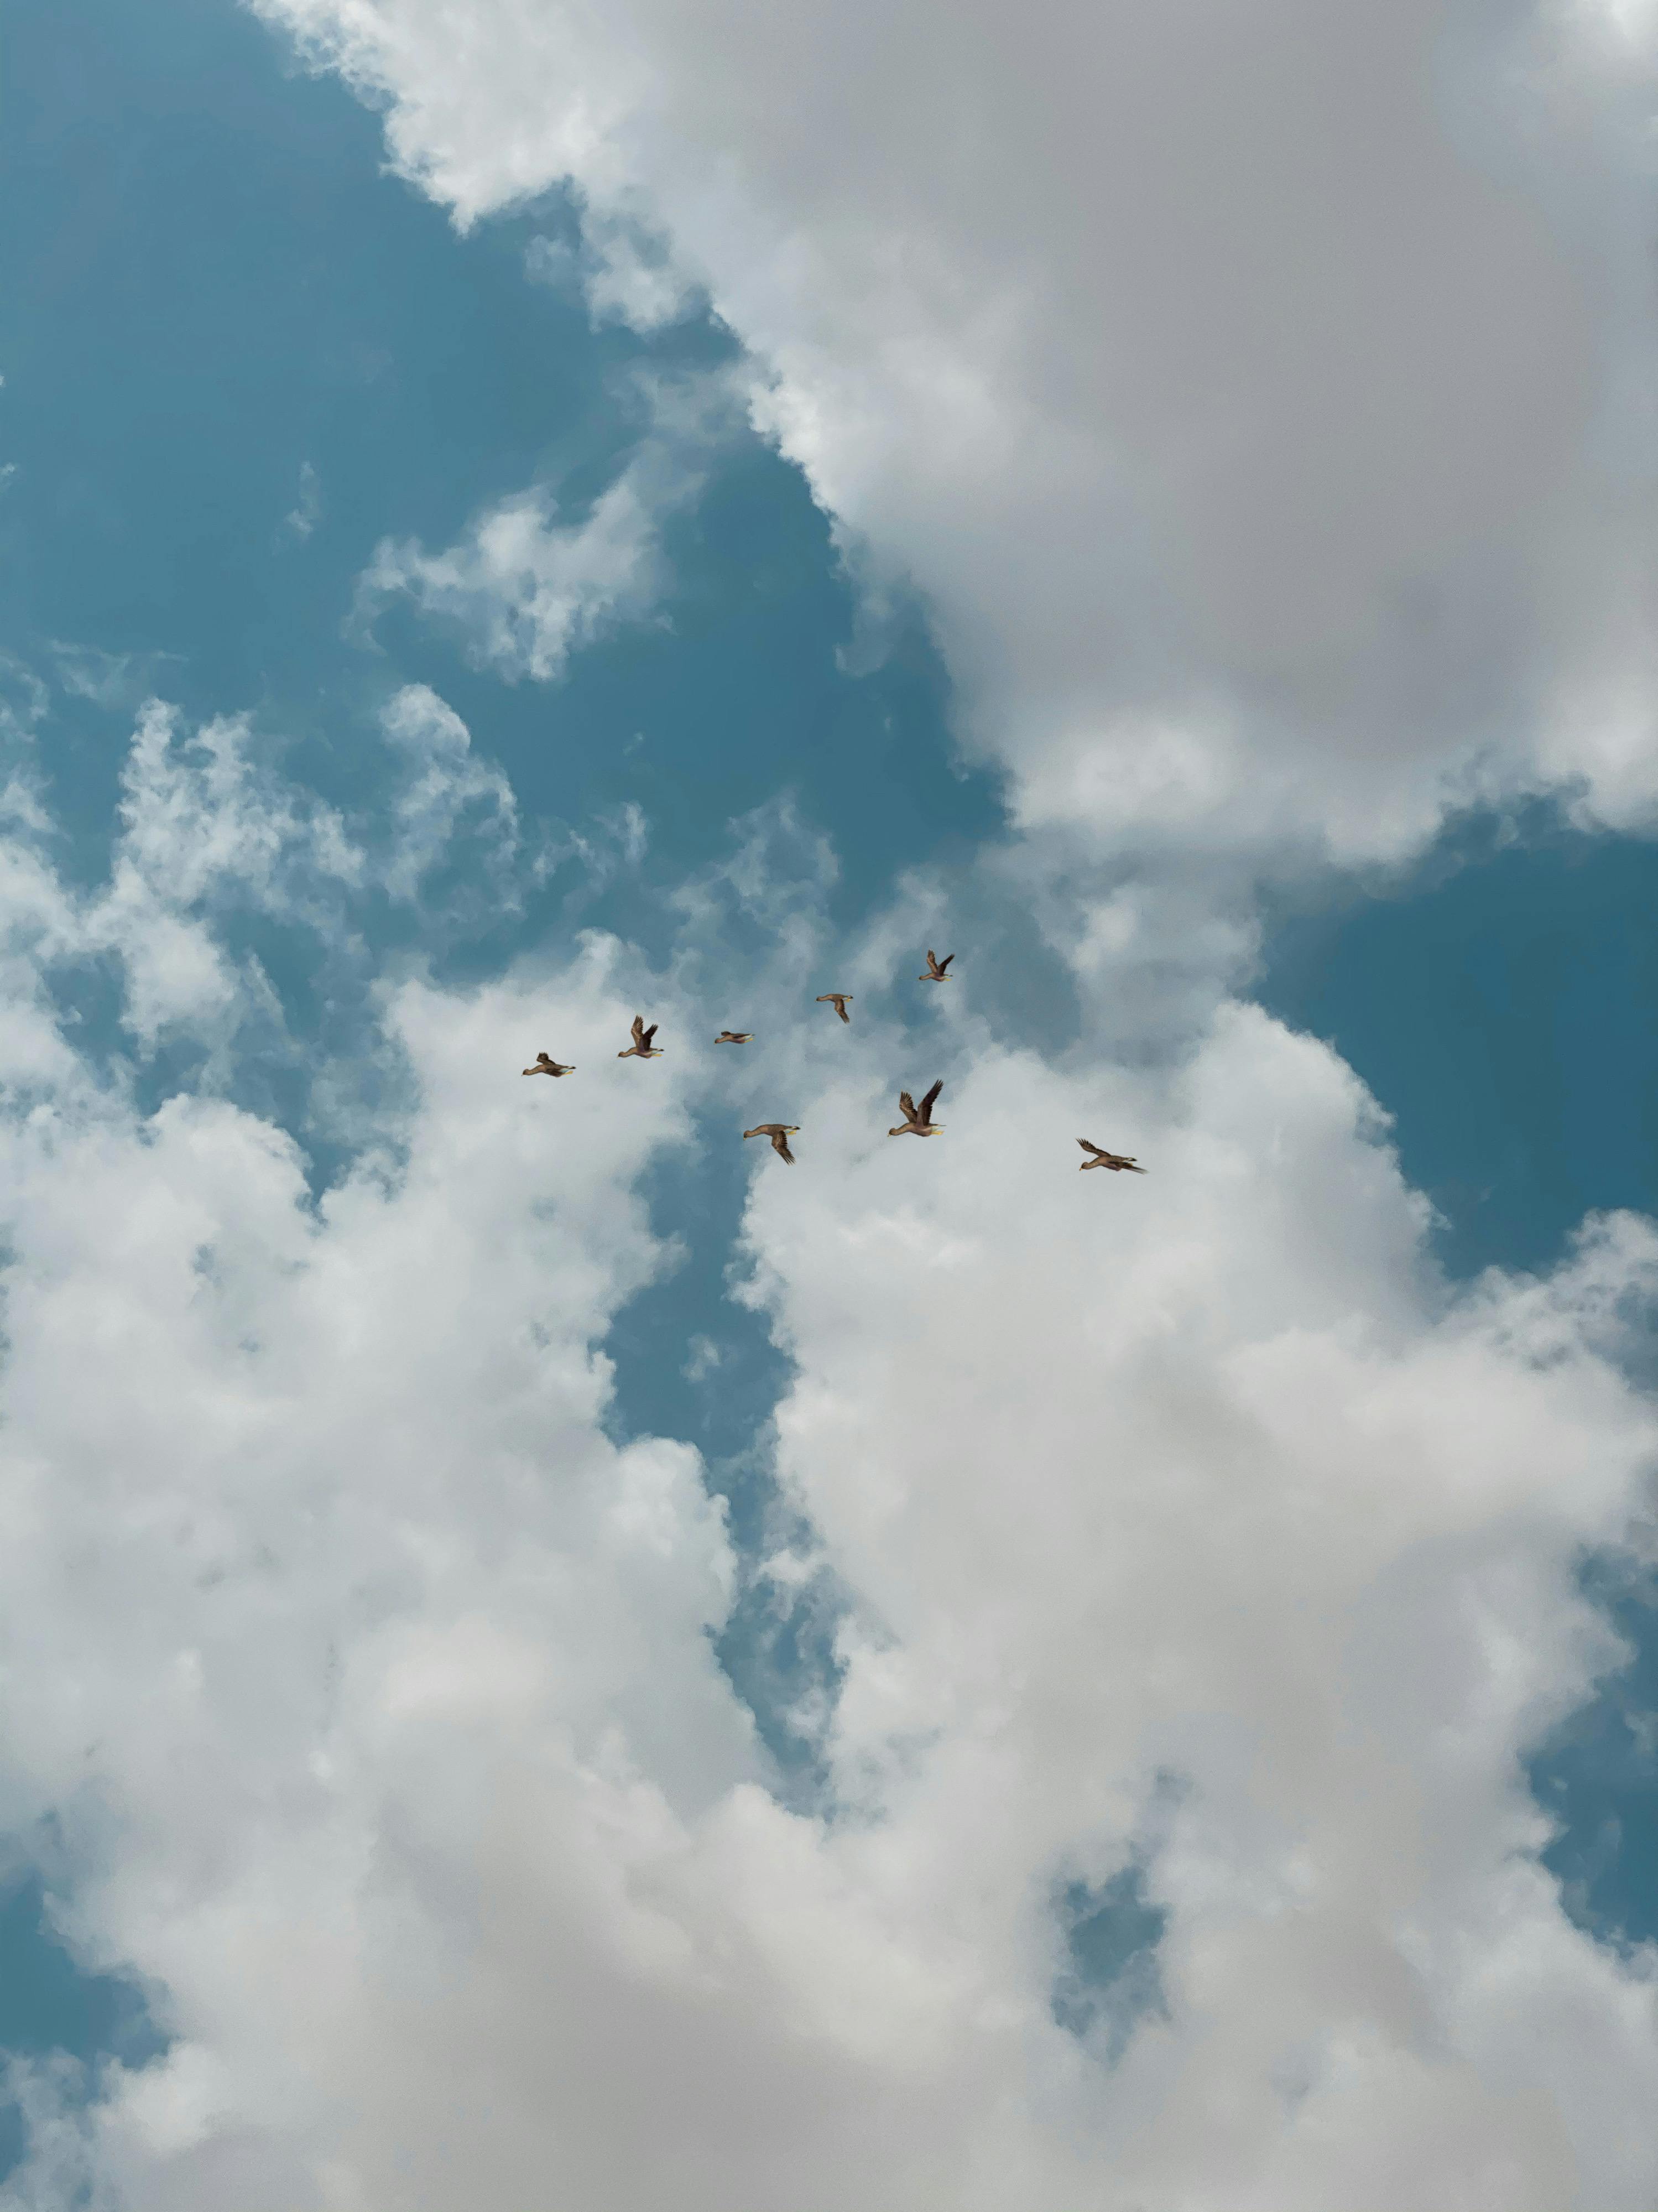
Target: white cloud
x=203, y=825
x=445, y=781
x=624, y=273
x=371, y=1684
x=1204, y=1476
x=1258, y=398
x=304, y=515
x=528, y=589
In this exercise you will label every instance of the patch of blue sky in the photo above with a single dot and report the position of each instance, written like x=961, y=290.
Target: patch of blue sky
x=1502, y=1003
x=1111, y=1980
x=52, y=2009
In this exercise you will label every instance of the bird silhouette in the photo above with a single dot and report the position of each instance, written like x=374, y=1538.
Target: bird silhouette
x=1117, y=1162
x=735, y=1036
x=935, y=969
x=641, y=1047
x=838, y=1001
x=545, y=1064
x=918, y=1119
x=779, y=1133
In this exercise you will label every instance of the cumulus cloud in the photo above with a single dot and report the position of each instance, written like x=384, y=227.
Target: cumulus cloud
x=1190, y=1524
x=1236, y=425
x=1258, y=396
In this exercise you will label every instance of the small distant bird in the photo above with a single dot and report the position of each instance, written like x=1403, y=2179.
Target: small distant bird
x=1115, y=1161
x=935, y=969
x=641, y=1047
x=918, y=1121
x=838, y=1001
x=779, y=1133
x=735, y=1036
x=545, y=1064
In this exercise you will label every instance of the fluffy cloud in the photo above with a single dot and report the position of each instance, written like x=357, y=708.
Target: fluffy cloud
x=1238, y=429
x=1257, y=395
x=1186, y=1522
x=1193, y=1505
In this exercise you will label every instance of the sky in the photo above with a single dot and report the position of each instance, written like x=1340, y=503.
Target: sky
x=551, y=1658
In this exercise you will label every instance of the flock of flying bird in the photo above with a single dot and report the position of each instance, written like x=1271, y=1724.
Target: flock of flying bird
x=918, y=1121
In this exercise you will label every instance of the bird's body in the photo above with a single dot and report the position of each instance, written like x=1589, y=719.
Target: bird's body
x=935, y=969
x=779, y=1133
x=546, y=1065
x=641, y=1047
x=1119, y=1163
x=918, y=1119
x=838, y=1001
x=735, y=1036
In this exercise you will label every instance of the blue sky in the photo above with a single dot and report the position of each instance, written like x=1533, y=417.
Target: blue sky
x=240, y=356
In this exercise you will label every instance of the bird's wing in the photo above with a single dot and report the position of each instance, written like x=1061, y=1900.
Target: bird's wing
x=638, y=1029
x=1095, y=1149
x=928, y=1102
x=780, y=1144
x=906, y=1105
x=945, y=962
x=649, y=1034
x=840, y=1009
x=932, y=958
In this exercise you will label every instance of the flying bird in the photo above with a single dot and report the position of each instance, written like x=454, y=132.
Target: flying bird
x=545, y=1064
x=838, y=1001
x=1115, y=1161
x=779, y=1133
x=918, y=1121
x=735, y=1036
x=935, y=969
x=641, y=1047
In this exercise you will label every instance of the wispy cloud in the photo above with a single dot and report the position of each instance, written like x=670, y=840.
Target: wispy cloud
x=446, y=785
x=625, y=272
x=527, y=586
x=304, y=515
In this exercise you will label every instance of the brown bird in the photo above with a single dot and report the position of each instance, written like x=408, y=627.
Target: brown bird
x=735, y=1036
x=545, y=1064
x=779, y=1133
x=641, y=1047
x=838, y=1001
x=935, y=969
x=918, y=1121
x=1115, y=1161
